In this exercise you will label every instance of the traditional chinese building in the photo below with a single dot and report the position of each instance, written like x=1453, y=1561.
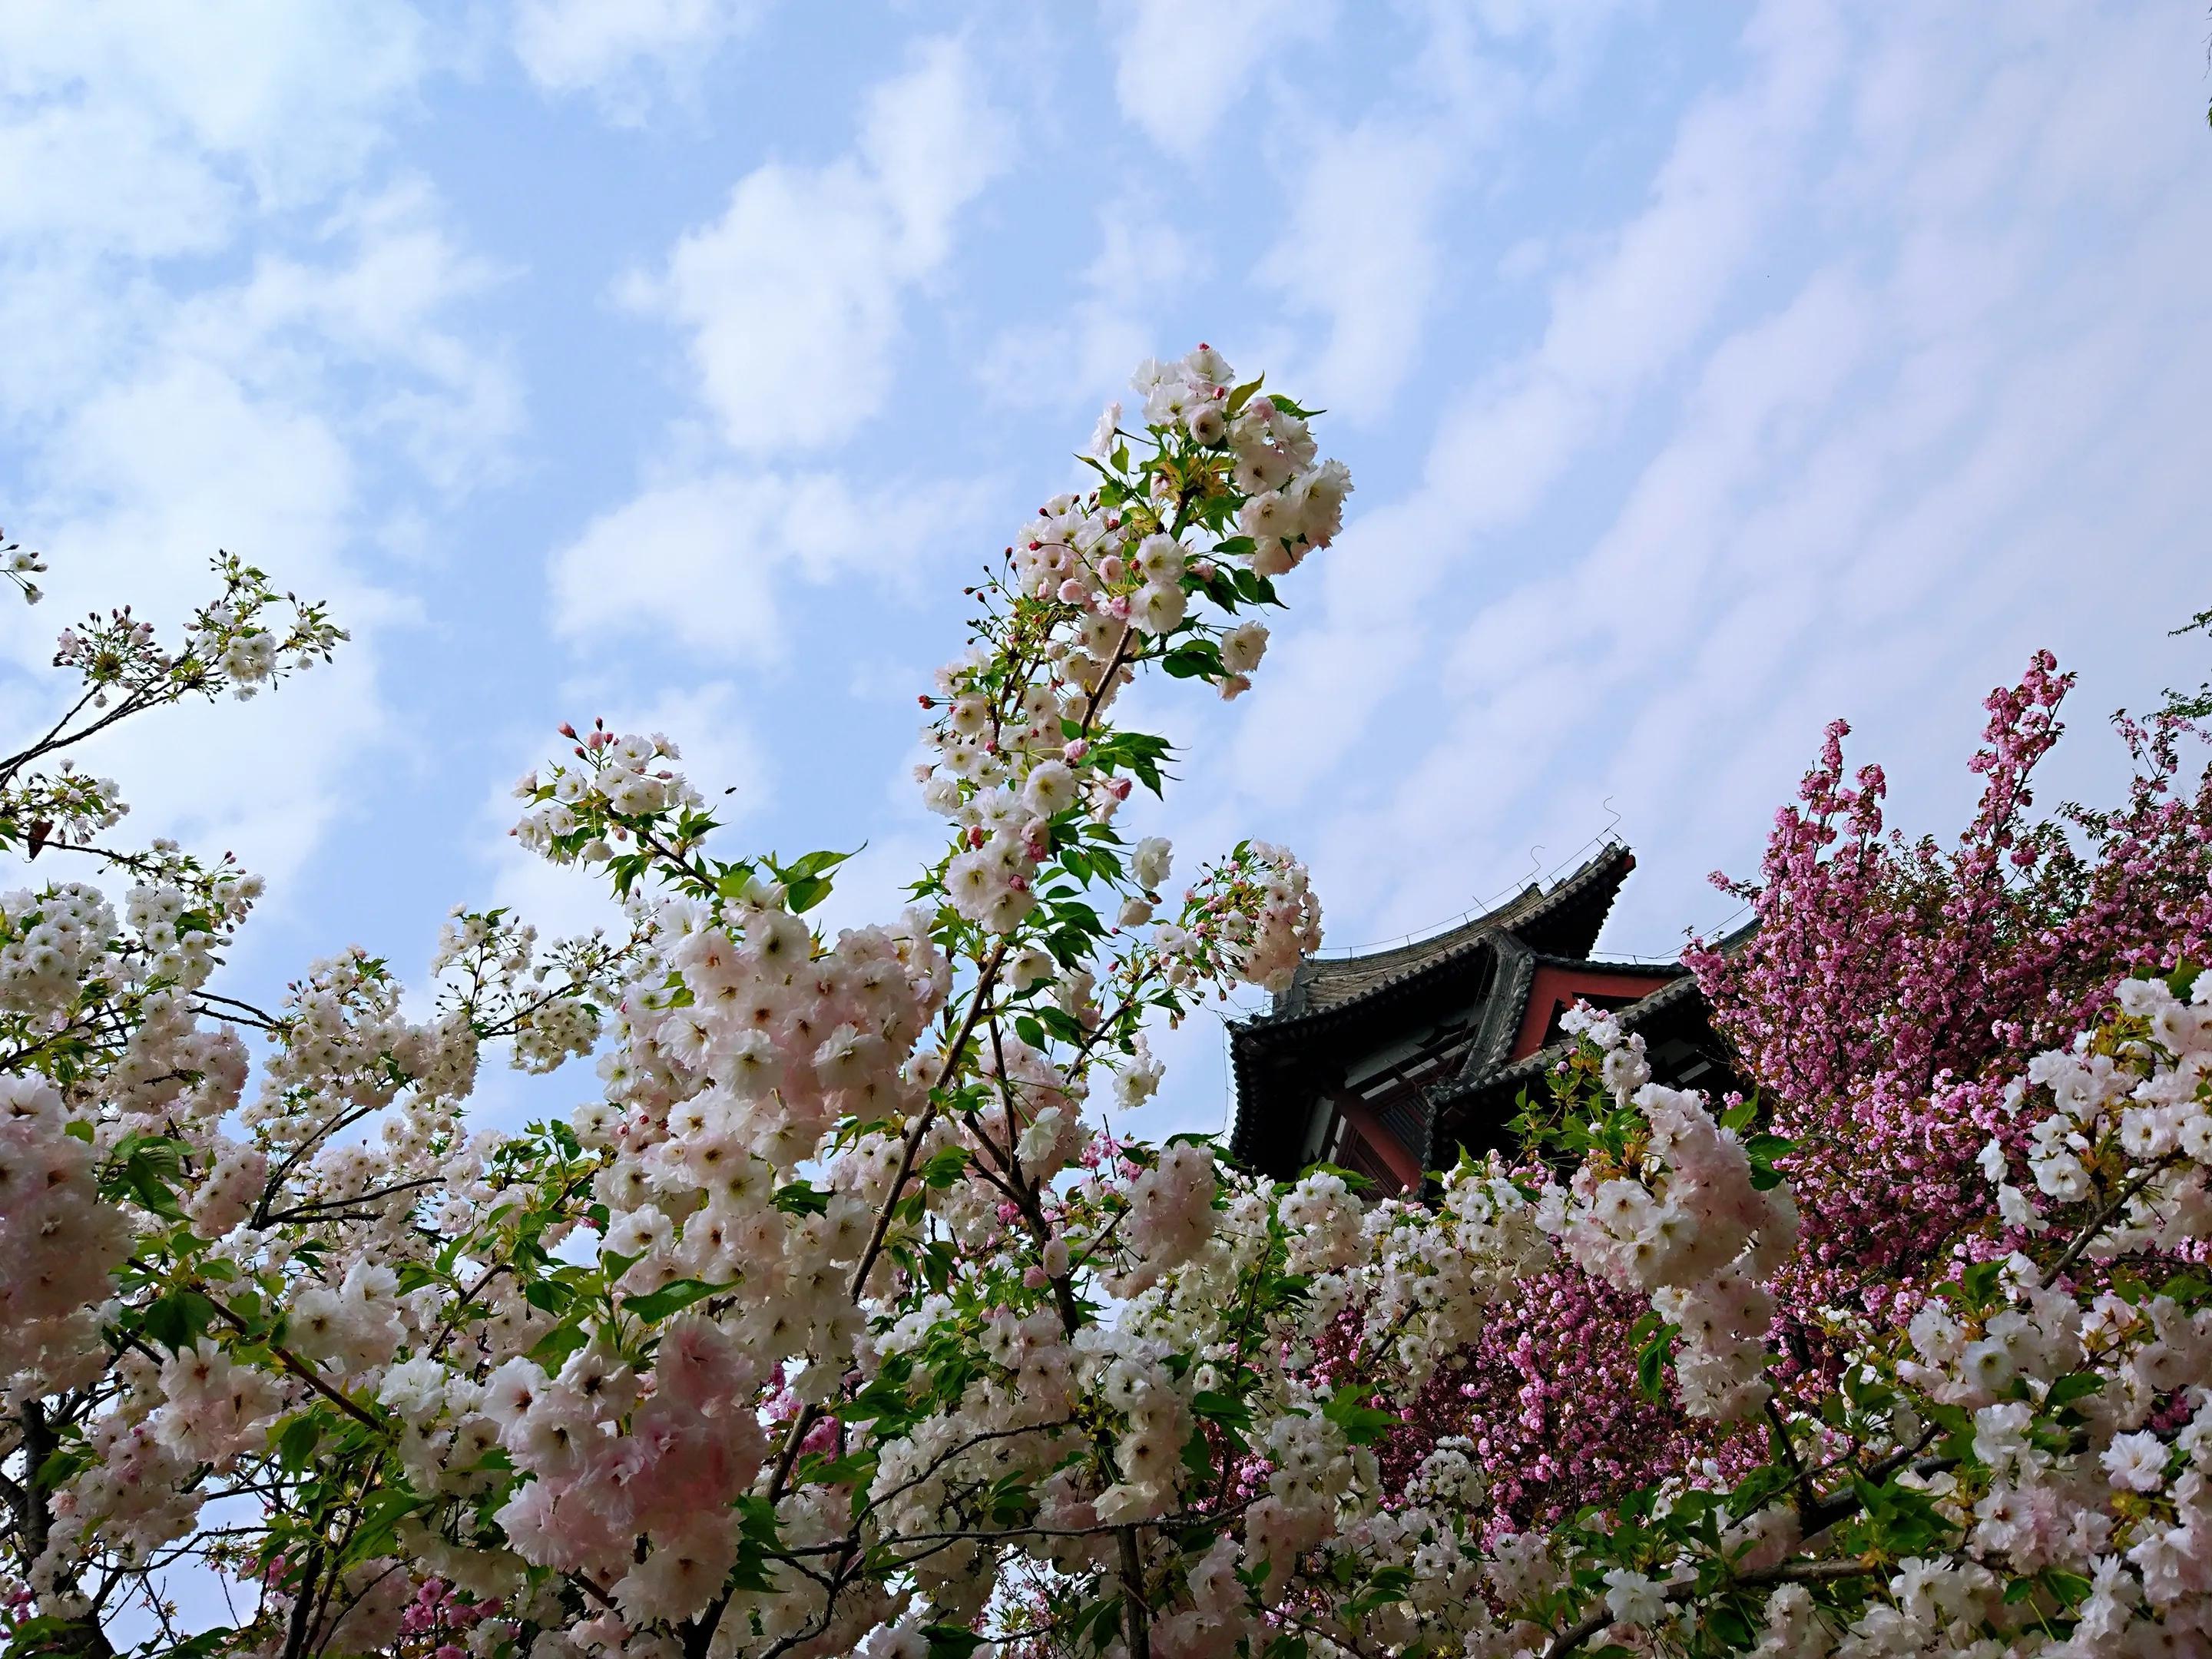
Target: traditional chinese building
x=1390, y=1062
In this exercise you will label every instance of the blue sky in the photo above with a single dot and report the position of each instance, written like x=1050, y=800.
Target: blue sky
x=1706, y=371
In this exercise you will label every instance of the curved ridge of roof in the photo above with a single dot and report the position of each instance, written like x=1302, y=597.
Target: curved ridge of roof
x=1326, y=983
x=1383, y=974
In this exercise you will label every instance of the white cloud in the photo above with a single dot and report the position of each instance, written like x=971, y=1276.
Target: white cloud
x=1615, y=324
x=1181, y=69
x=698, y=561
x=223, y=435
x=380, y=305
x=144, y=129
x=152, y=476
x=1497, y=58
x=1359, y=247
x=618, y=53
x=235, y=415
x=1143, y=261
x=1963, y=430
x=792, y=298
x=159, y=408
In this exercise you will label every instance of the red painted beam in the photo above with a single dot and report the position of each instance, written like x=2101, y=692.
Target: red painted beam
x=1555, y=987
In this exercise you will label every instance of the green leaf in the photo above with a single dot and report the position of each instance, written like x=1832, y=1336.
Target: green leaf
x=416, y=1276
x=814, y=864
x=1762, y=1150
x=2187, y=1288
x=1061, y=1023
x=1255, y=588
x=757, y=1538
x=552, y=1350
x=1362, y=1424
x=1385, y=1588
x=944, y=1167
x=1240, y=397
x=2076, y=1385
x=1980, y=1281
x=804, y=894
x=1193, y=660
x=378, y=1526
x=295, y=1442
x=1224, y=1408
x=178, y=1320
x=2070, y=1587
x=949, y=1640
x=798, y=1198
x=1898, y=1519
x=201, y=1644
x=1651, y=1362
x=1198, y=1456
x=142, y=1167
x=819, y=1469
x=1009, y=1500
x=1737, y=1632
x=673, y=1297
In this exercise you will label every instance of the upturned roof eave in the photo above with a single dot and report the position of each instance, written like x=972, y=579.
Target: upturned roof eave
x=1517, y=916
x=1262, y=1034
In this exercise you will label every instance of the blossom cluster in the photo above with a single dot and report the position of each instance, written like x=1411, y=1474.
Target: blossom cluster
x=1687, y=1221
x=59, y=1241
x=19, y=564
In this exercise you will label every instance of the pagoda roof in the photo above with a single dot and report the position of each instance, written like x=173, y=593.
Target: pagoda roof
x=1562, y=919
x=1465, y=989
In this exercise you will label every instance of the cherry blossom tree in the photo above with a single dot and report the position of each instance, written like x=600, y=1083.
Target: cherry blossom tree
x=845, y=1315
x=1891, y=992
